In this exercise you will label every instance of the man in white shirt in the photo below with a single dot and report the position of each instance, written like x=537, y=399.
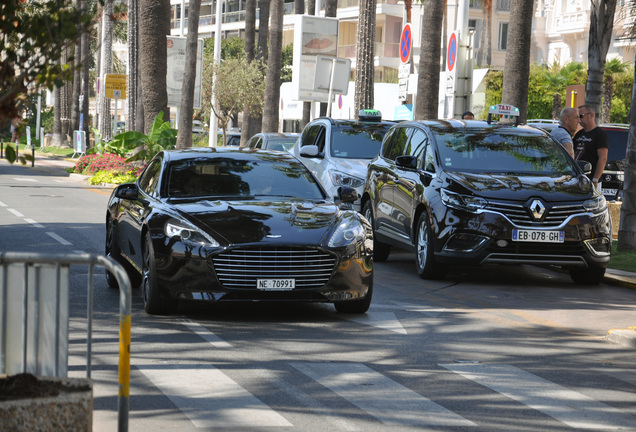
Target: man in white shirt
x=567, y=128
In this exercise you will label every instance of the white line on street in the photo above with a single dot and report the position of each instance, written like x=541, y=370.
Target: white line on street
x=16, y=213
x=34, y=223
x=59, y=239
x=567, y=406
x=210, y=399
x=25, y=179
x=383, y=320
x=206, y=335
x=381, y=397
x=2, y=204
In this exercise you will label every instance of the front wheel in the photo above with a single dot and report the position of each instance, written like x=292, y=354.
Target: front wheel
x=355, y=306
x=112, y=251
x=587, y=276
x=427, y=267
x=154, y=302
x=381, y=250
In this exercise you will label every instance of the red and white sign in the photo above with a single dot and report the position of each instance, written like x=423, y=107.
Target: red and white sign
x=451, y=53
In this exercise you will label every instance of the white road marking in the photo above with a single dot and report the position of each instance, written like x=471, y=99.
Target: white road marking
x=15, y=212
x=59, y=239
x=383, y=320
x=206, y=335
x=429, y=310
x=25, y=179
x=388, y=401
x=2, y=204
x=210, y=399
x=34, y=223
x=567, y=406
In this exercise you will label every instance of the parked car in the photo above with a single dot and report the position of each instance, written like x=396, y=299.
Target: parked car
x=233, y=139
x=613, y=175
x=273, y=141
x=465, y=192
x=226, y=224
x=339, y=151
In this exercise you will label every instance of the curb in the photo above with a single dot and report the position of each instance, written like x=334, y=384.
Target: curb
x=626, y=337
x=620, y=280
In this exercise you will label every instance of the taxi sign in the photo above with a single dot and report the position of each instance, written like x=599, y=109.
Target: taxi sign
x=502, y=109
x=369, y=115
x=115, y=86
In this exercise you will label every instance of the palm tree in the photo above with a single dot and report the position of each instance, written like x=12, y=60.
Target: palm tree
x=184, y=138
x=248, y=127
x=274, y=62
x=517, y=66
x=426, y=102
x=135, y=122
x=484, y=55
x=612, y=68
x=106, y=67
x=365, y=54
x=601, y=26
x=154, y=25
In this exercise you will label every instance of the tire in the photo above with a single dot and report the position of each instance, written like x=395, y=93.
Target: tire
x=381, y=250
x=155, y=303
x=587, y=276
x=112, y=251
x=427, y=267
x=355, y=306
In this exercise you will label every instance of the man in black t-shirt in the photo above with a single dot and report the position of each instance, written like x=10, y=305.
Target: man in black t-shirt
x=591, y=143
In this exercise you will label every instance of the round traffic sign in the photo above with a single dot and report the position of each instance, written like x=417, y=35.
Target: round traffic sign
x=339, y=101
x=406, y=43
x=451, y=55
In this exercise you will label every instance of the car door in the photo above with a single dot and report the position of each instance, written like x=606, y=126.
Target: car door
x=133, y=212
x=387, y=179
x=409, y=182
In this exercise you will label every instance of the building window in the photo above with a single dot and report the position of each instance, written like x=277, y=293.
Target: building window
x=476, y=4
x=503, y=36
x=503, y=5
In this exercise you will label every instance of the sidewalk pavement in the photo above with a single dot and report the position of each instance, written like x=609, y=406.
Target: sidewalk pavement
x=625, y=337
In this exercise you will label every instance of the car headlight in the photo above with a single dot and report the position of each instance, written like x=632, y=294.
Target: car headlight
x=596, y=204
x=349, y=231
x=463, y=202
x=187, y=232
x=341, y=179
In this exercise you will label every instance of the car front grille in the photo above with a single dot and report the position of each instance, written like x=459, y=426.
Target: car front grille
x=240, y=268
x=521, y=216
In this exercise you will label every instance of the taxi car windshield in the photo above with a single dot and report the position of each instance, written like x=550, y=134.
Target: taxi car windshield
x=488, y=152
x=357, y=141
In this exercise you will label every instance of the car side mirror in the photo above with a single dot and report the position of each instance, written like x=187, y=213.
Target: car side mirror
x=409, y=162
x=127, y=191
x=311, y=151
x=585, y=166
x=347, y=194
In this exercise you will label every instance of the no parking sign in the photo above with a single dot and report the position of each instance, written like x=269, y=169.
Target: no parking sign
x=406, y=43
x=451, y=62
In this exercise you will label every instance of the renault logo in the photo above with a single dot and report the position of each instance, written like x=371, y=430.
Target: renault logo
x=537, y=209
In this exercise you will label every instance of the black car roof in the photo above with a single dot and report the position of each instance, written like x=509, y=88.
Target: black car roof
x=228, y=152
x=450, y=125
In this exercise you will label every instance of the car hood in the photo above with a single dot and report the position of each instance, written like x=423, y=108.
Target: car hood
x=520, y=187
x=248, y=221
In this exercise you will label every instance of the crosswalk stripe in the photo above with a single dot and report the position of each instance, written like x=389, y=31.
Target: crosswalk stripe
x=384, y=320
x=207, y=335
x=379, y=396
x=209, y=398
x=567, y=406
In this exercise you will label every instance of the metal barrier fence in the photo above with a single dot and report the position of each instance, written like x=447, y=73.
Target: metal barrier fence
x=34, y=316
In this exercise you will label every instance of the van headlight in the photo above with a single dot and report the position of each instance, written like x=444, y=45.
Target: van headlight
x=597, y=204
x=463, y=202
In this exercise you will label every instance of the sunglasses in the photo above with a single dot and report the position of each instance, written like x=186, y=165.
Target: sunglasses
x=583, y=115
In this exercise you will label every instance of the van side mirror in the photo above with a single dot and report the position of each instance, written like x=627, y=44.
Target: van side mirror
x=127, y=191
x=409, y=162
x=311, y=151
x=585, y=166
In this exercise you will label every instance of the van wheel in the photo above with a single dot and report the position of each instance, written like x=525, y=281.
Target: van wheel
x=427, y=267
x=587, y=276
x=381, y=250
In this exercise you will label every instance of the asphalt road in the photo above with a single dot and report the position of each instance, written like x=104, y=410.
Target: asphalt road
x=489, y=349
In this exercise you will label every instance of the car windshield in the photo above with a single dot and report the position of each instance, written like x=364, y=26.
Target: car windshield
x=237, y=177
x=488, y=151
x=357, y=141
x=282, y=144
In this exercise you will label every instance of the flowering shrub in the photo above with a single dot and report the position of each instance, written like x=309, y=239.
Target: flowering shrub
x=92, y=163
x=112, y=177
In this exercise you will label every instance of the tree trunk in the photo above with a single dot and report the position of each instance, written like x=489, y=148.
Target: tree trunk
x=263, y=29
x=517, y=63
x=106, y=66
x=608, y=92
x=627, y=226
x=311, y=10
x=484, y=57
x=250, y=52
x=427, y=100
x=274, y=61
x=77, y=80
x=85, y=78
x=365, y=54
x=154, y=26
x=56, y=137
x=133, y=53
x=184, y=138
x=600, y=37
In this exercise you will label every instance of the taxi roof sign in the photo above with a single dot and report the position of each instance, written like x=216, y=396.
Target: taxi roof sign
x=502, y=109
x=369, y=115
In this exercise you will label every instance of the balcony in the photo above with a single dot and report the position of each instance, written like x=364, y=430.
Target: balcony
x=573, y=22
